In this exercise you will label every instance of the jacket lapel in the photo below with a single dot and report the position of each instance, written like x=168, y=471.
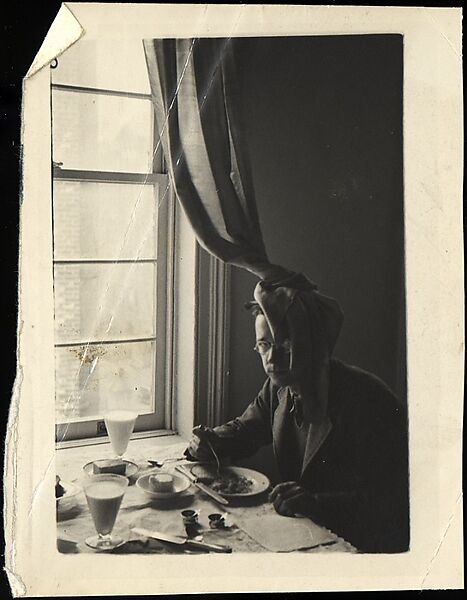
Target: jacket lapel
x=317, y=437
x=279, y=430
x=317, y=434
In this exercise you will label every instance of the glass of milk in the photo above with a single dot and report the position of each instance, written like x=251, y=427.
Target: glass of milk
x=104, y=494
x=120, y=424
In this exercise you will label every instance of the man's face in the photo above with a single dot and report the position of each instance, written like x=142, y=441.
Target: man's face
x=276, y=361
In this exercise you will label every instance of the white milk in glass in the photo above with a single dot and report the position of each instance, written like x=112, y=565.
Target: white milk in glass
x=120, y=424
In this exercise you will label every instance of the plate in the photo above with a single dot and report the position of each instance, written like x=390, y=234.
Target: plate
x=209, y=471
x=180, y=485
x=71, y=491
x=131, y=467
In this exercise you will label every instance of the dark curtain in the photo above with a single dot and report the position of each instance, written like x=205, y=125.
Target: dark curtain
x=198, y=116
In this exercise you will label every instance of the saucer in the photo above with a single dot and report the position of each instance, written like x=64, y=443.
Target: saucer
x=180, y=485
x=131, y=467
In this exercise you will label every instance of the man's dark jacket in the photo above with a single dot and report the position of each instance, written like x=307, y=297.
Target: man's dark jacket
x=359, y=475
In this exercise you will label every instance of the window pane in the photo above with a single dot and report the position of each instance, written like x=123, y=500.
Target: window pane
x=104, y=220
x=92, y=379
x=104, y=302
x=95, y=132
x=92, y=63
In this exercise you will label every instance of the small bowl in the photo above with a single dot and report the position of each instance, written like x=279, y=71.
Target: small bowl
x=180, y=484
x=67, y=501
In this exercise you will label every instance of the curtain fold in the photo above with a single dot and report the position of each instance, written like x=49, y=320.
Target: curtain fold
x=198, y=117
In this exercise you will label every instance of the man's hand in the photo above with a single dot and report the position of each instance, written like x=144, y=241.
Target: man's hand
x=290, y=498
x=199, y=446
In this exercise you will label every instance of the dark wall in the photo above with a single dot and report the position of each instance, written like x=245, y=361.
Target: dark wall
x=323, y=117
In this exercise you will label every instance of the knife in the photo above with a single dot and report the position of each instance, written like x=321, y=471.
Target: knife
x=203, y=487
x=181, y=541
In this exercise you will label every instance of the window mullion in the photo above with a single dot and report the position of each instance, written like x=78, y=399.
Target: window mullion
x=150, y=338
x=61, y=174
x=80, y=89
x=103, y=261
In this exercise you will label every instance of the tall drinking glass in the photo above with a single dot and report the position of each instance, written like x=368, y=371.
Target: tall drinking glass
x=120, y=424
x=104, y=494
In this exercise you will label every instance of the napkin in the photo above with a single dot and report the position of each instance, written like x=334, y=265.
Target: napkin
x=285, y=534
x=163, y=521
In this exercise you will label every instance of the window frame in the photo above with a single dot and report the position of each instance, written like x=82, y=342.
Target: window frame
x=84, y=430
x=213, y=339
x=202, y=397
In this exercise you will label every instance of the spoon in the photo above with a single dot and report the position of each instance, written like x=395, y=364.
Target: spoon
x=216, y=457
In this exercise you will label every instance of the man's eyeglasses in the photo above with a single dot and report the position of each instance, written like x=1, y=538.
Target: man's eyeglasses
x=265, y=347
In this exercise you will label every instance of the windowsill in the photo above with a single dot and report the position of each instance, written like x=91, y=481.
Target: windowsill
x=94, y=441
x=69, y=461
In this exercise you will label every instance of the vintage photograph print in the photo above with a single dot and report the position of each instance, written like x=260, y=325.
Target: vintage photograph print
x=229, y=295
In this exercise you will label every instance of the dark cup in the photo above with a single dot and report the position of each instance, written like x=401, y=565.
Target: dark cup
x=216, y=521
x=189, y=516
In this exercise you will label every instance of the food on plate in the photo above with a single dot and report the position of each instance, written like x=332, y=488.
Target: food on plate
x=112, y=465
x=230, y=483
x=59, y=489
x=162, y=482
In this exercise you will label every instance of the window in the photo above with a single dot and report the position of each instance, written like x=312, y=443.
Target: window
x=141, y=312
x=113, y=254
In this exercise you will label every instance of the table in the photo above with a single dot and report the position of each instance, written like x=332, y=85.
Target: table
x=74, y=521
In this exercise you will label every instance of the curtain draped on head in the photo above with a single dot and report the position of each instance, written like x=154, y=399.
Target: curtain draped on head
x=198, y=116
x=312, y=322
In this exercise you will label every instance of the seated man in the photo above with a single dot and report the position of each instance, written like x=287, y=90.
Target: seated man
x=339, y=434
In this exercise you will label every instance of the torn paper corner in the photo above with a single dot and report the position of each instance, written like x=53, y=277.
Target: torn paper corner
x=18, y=589
x=63, y=33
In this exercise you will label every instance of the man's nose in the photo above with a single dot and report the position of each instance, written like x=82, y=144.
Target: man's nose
x=274, y=353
